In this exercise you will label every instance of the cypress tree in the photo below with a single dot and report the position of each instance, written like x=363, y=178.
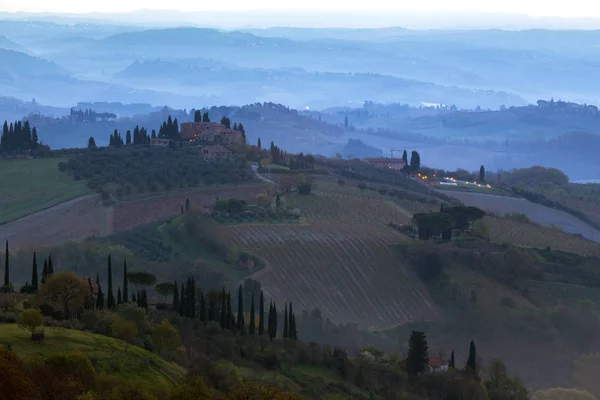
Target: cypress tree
x=292, y=330
x=202, y=308
x=192, y=298
x=274, y=320
x=119, y=297
x=34, y=273
x=417, y=353
x=270, y=321
x=285, y=323
x=472, y=360
x=6, y=267
x=182, y=300
x=261, y=315
x=292, y=323
x=176, y=305
x=100, y=296
x=145, y=299
x=241, y=324
x=110, y=300
x=452, y=360
x=140, y=301
x=50, y=266
x=125, y=283
x=230, y=316
x=251, y=326
x=45, y=271
x=224, y=315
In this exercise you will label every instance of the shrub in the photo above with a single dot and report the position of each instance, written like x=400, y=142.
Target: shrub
x=341, y=182
x=270, y=360
x=90, y=320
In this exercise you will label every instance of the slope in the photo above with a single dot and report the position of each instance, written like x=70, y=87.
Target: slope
x=339, y=259
x=136, y=364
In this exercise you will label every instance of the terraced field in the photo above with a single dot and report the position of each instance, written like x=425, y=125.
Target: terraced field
x=340, y=260
x=530, y=235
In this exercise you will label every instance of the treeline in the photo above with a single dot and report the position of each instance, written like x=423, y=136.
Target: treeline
x=216, y=306
x=89, y=115
x=441, y=224
x=18, y=137
x=140, y=136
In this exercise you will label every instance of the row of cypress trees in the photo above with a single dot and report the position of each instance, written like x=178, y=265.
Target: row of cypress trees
x=140, y=298
x=217, y=307
x=32, y=287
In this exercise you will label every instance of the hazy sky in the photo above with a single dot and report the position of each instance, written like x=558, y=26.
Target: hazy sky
x=556, y=8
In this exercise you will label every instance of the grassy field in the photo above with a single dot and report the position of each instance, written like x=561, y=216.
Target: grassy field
x=552, y=294
x=339, y=259
x=106, y=353
x=522, y=234
x=33, y=185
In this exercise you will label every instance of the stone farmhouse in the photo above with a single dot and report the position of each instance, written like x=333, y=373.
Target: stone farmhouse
x=211, y=132
x=215, y=152
x=436, y=364
x=160, y=142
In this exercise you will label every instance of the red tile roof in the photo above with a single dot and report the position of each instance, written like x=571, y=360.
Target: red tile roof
x=436, y=362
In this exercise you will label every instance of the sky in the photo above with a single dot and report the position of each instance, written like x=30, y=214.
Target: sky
x=535, y=8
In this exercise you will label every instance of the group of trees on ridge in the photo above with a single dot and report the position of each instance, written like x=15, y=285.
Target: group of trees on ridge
x=441, y=223
x=18, y=137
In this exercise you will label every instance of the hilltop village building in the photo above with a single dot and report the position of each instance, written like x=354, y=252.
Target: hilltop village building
x=211, y=132
x=395, y=164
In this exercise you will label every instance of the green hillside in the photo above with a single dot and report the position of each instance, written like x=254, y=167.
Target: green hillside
x=107, y=354
x=33, y=185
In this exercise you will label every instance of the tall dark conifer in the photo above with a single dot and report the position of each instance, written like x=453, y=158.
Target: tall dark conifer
x=50, y=266
x=252, y=323
x=261, y=315
x=176, y=305
x=231, y=323
x=45, y=271
x=452, y=364
x=34, y=274
x=285, y=322
x=417, y=359
x=203, y=316
x=99, y=296
x=125, y=283
x=6, y=267
x=472, y=360
x=110, y=299
x=292, y=323
x=274, y=320
x=182, y=301
x=241, y=323
x=119, y=296
x=224, y=316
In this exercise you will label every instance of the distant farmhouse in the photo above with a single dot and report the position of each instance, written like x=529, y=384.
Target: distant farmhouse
x=215, y=152
x=211, y=132
x=395, y=164
x=160, y=142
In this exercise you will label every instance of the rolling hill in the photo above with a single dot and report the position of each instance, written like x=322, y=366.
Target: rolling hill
x=339, y=259
x=136, y=364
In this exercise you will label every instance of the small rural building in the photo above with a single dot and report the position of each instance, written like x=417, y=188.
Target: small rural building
x=215, y=152
x=160, y=142
x=395, y=164
x=436, y=364
x=212, y=132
